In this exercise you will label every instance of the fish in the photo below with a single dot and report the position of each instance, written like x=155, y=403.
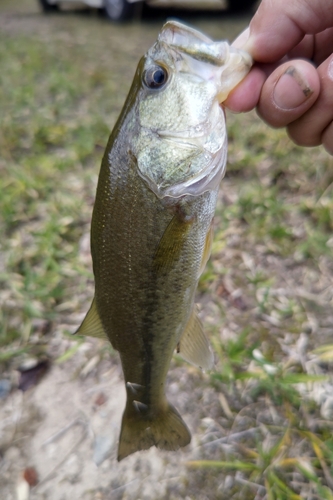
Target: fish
x=152, y=223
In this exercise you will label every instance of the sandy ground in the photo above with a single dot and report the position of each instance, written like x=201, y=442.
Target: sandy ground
x=67, y=428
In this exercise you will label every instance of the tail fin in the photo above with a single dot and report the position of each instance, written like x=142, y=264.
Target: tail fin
x=166, y=430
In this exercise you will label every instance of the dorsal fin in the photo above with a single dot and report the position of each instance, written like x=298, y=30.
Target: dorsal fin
x=92, y=325
x=194, y=346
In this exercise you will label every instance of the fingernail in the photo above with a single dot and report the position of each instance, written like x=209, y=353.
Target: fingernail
x=330, y=69
x=291, y=89
x=241, y=40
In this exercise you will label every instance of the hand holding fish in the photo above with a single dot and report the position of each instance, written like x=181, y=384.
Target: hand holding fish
x=291, y=83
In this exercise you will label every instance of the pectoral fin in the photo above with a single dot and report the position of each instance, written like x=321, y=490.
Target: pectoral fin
x=194, y=346
x=92, y=325
x=207, y=249
x=172, y=242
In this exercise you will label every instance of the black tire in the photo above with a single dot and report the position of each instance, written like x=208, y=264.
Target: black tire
x=119, y=10
x=241, y=5
x=48, y=7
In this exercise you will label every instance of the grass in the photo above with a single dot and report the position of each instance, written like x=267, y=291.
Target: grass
x=272, y=255
x=50, y=147
x=266, y=294
x=288, y=453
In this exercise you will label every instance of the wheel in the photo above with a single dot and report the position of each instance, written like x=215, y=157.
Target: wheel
x=118, y=10
x=239, y=5
x=48, y=7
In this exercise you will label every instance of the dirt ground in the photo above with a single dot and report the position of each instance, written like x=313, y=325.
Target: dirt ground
x=69, y=437
x=67, y=426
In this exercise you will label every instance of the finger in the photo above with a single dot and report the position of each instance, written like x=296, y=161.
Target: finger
x=246, y=95
x=304, y=49
x=323, y=46
x=327, y=138
x=277, y=27
x=313, y=47
x=288, y=93
x=317, y=47
x=308, y=129
x=241, y=39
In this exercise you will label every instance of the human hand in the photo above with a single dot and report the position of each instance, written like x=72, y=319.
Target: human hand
x=285, y=89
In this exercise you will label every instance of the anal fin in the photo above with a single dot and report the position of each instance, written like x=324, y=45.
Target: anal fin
x=92, y=325
x=194, y=346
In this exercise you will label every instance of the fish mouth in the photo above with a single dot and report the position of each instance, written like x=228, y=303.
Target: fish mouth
x=222, y=62
x=188, y=40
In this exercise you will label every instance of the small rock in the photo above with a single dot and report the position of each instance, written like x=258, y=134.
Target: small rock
x=28, y=364
x=31, y=375
x=207, y=422
x=12, y=454
x=73, y=468
x=90, y=366
x=41, y=325
x=228, y=483
x=327, y=408
x=102, y=449
x=5, y=387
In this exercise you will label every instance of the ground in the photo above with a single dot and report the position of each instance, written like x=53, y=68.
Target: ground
x=261, y=421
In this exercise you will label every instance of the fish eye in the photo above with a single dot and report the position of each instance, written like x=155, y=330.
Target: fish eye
x=155, y=77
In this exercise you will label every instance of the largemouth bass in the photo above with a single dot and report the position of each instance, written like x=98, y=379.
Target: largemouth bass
x=151, y=230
